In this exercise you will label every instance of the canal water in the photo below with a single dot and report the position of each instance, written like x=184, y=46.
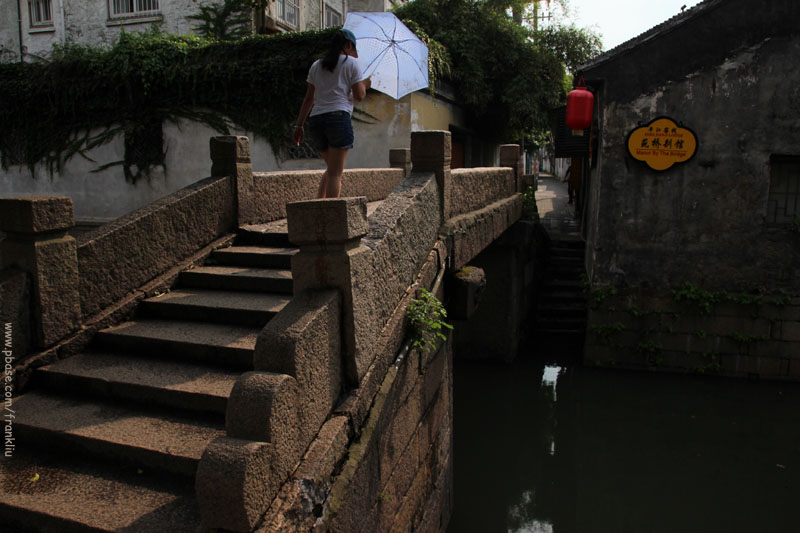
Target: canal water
x=544, y=445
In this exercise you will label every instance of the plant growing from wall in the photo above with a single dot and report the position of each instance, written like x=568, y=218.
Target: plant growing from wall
x=426, y=316
x=606, y=333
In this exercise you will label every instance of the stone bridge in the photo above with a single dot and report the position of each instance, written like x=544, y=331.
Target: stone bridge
x=236, y=357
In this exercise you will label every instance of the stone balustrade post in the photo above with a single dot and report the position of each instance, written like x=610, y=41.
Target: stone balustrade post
x=37, y=243
x=328, y=233
x=230, y=156
x=400, y=158
x=430, y=151
x=509, y=157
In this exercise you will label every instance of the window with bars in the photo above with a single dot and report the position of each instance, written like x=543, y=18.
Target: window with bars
x=783, y=203
x=133, y=8
x=41, y=12
x=289, y=13
x=332, y=17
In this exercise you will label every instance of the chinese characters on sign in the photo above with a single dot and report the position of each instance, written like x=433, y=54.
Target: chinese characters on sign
x=662, y=143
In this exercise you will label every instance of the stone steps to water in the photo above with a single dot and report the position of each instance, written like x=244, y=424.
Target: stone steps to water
x=115, y=433
x=561, y=309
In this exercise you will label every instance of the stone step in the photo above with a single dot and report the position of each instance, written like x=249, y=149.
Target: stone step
x=564, y=275
x=561, y=311
x=223, y=345
x=270, y=234
x=565, y=263
x=237, y=278
x=568, y=243
x=572, y=284
x=172, y=384
x=257, y=256
x=227, y=307
x=568, y=253
x=92, y=496
x=560, y=295
x=152, y=439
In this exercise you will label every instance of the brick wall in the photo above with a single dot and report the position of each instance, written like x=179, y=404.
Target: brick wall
x=697, y=331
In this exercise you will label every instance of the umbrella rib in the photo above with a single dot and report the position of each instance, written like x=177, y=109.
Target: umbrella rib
x=377, y=59
x=414, y=59
x=371, y=21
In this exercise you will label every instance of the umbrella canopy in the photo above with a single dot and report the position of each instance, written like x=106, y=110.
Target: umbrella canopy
x=389, y=52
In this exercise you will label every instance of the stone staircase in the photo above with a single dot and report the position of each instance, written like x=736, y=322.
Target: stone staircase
x=561, y=310
x=110, y=439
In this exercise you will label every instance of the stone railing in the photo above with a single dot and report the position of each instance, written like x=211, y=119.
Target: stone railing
x=353, y=278
x=276, y=189
x=73, y=288
x=367, y=269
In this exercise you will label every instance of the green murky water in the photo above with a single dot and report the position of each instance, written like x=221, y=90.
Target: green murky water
x=557, y=448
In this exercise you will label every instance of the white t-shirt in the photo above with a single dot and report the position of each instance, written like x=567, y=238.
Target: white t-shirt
x=332, y=89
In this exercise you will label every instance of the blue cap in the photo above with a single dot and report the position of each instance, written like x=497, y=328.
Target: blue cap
x=349, y=36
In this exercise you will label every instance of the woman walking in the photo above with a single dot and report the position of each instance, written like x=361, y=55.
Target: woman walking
x=334, y=83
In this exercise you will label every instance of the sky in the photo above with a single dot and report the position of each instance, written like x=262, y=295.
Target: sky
x=620, y=20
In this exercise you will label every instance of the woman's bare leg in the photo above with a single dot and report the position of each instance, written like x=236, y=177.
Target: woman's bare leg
x=331, y=183
x=323, y=182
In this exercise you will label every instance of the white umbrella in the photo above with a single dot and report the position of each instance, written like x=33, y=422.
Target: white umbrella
x=389, y=52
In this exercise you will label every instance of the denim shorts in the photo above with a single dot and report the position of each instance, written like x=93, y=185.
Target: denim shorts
x=331, y=130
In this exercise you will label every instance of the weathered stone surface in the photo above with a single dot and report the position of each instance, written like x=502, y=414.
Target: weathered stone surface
x=52, y=264
x=465, y=291
x=265, y=406
x=233, y=484
x=476, y=188
x=649, y=328
x=36, y=214
x=713, y=208
x=400, y=158
x=469, y=234
x=230, y=156
x=151, y=240
x=300, y=501
x=510, y=157
x=431, y=152
x=274, y=190
x=328, y=221
x=15, y=292
x=304, y=341
x=226, y=151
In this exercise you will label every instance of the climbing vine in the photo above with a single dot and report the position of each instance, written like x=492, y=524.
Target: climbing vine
x=83, y=97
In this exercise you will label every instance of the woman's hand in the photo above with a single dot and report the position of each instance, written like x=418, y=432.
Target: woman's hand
x=297, y=135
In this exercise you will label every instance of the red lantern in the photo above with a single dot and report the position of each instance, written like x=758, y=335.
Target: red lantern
x=580, y=105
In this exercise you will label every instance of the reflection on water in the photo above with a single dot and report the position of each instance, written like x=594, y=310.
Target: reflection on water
x=559, y=448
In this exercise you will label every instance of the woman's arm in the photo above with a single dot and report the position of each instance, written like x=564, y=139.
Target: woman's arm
x=305, y=109
x=360, y=89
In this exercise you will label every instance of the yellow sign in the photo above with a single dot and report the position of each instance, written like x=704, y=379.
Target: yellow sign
x=662, y=143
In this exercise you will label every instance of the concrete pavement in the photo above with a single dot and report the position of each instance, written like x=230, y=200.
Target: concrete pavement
x=556, y=214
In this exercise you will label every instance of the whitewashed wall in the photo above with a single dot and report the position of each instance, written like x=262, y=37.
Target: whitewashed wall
x=380, y=123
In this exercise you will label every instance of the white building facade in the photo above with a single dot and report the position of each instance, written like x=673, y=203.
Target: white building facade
x=30, y=28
